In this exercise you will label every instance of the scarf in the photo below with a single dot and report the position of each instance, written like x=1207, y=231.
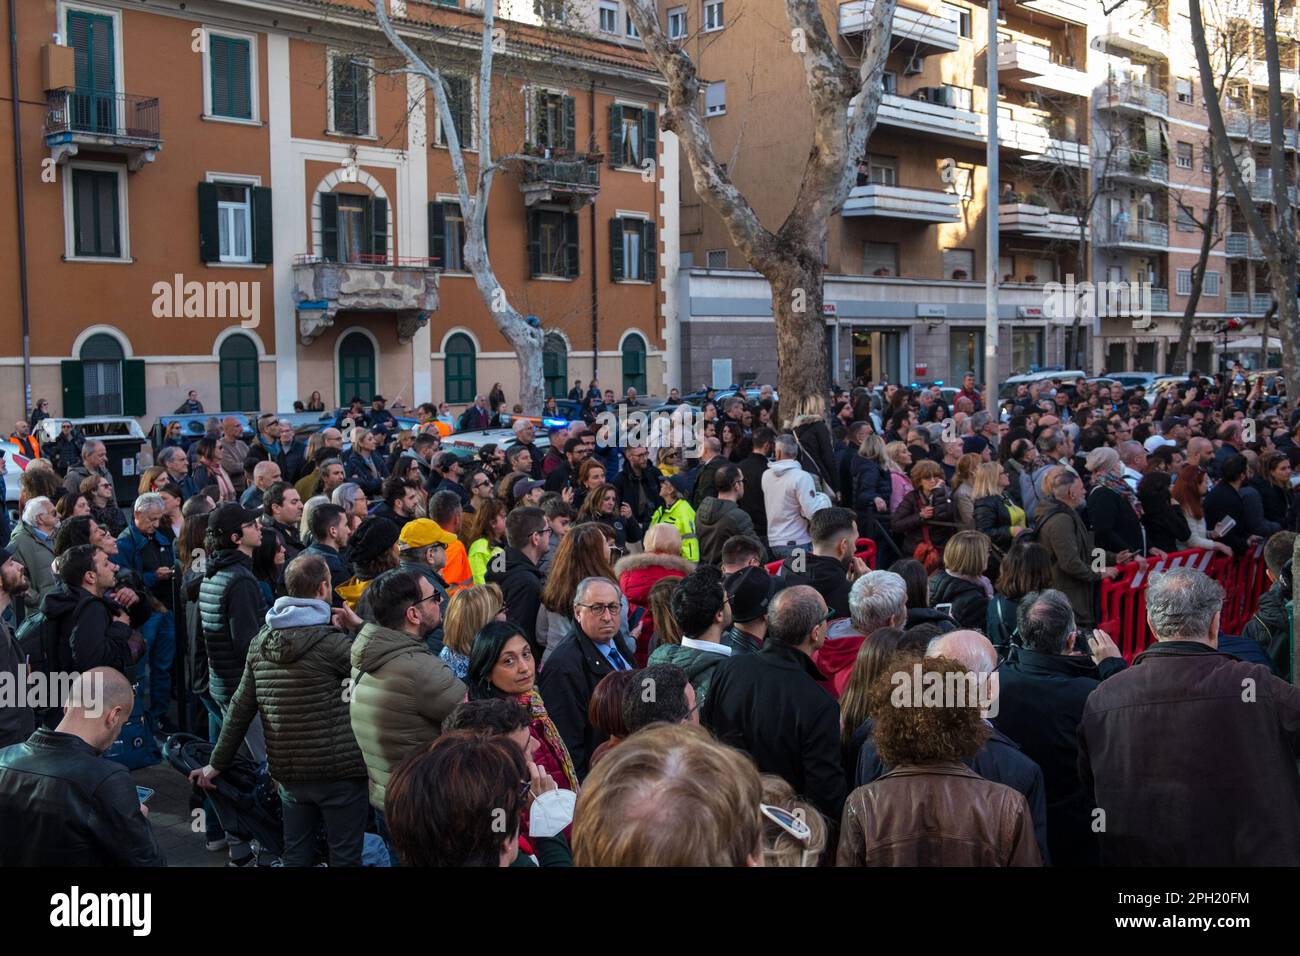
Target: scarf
x=537, y=710
x=226, y=488
x=1121, y=487
x=979, y=579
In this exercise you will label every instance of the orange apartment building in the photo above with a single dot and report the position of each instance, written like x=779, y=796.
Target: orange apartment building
x=265, y=151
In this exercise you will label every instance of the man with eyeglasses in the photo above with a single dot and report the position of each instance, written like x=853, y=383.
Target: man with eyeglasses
x=517, y=571
x=594, y=649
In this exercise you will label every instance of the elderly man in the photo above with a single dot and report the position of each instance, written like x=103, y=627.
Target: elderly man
x=16, y=721
x=1190, y=754
x=331, y=449
x=94, y=459
x=1134, y=458
x=1043, y=690
x=323, y=481
x=877, y=599
x=1232, y=442
x=1054, y=448
x=32, y=545
x=573, y=667
x=791, y=500
x=177, y=468
x=265, y=474
x=234, y=450
x=147, y=551
x=524, y=435
x=769, y=704
x=476, y=416
x=1070, y=544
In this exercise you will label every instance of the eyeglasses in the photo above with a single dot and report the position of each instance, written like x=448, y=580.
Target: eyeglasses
x=603, y=610
x=435, y=597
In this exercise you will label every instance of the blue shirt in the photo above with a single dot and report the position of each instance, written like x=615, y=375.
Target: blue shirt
x=608, y=648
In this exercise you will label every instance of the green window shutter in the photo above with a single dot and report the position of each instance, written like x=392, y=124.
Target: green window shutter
x=209, y=230
x=649, y=132
x=571, y=244
x=263, y=242
x=534, y=244
x=649, y=252
x=437, y=239
x=570, y=124
x=539, y=118
x=74, y=389
x=378, y=227
x=616, y=135
x=95, y=213
x=219, y=75
x=617, y=269
x=231, y=83
x=133, y=391
x=329, y=227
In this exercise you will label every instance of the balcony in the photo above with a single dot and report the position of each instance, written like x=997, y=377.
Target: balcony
x=1253, y=13
x=1029, y=135
x=1141, y=234
x=122, y=123
x=948, y=123
x=1259, y=78
x=405, y=288
x=1038, y=222
x=1137, y=166
x=1242, y=245
x=1072, y=11
x=1249, y=304
x=1159, y=300
x=1131, y=31
x=1261, y=190
x=1130, y=95
x=1240, y=124
x=902, y=202
x=1027, y=65
x=574, y=182
x=915, y=31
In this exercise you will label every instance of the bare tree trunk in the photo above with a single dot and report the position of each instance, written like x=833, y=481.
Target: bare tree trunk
x=800, y=335
x=1208, y=229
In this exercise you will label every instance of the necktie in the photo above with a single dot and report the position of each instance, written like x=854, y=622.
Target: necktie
x=616, y=659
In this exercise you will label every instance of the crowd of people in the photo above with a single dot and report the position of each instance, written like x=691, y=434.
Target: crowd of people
x=569, y=652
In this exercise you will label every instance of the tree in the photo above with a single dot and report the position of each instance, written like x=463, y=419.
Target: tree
x=527, y=340
x=790, y=258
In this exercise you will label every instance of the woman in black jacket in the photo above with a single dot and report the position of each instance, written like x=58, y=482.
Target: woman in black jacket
x=918, y=597
x=996, y=515
x=1274, y=486
x=1113, y=507
x=925, y=512
x=872, y=487
x=1162, y=517
x=603, y=505
x=817, y=452
x=962, y=583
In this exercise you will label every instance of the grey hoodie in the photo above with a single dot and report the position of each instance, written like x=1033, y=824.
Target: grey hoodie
x=298, y=612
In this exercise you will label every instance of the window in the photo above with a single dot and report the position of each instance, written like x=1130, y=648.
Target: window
x=93, y=106
x=958, y=263
x=632, y=135
x=447, y=236
x=1183, y=282
x=555, y=366
x=349, y=96
x=354, y=228
x=234, y=223
x=716, y=259
x=356, y=367
x=715, y=98
x=1184, y=156
x=1183, y=220
x=96, y=216
x=634, y=363
x=1210, y=284
x=609, y=18
x=552, y=244
x=237, y=369
x=962, y=16
x=460, y=103
x=959, y=97
x=101, y=365
x=889, y=81
x=230, y=77
x=633, y=250
x=677, y=23
x=629, y=27
x=1044, y=270
x=555, y=124
x=883, y=170
x=460, y=379
x=712, y=15
x=1026, y=349
x=880, y=259
x=1207, y=159
x=966, y=354
x=1183, y=90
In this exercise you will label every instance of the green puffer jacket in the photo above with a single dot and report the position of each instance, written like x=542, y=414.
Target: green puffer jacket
x=401, y=693
x=296, y=677
x=700, y=666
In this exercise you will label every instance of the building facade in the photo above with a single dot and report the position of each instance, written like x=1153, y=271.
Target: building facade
x=247, y=200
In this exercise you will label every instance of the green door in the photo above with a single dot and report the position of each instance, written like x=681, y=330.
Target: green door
x=238, y=372
x=356, y=368
x=93, y=107
x=555, y=367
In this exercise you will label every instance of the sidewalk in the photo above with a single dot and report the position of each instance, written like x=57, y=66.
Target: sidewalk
x=169, y=813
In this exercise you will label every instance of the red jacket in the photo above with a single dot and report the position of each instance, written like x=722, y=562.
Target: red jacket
x=835, y=658
x=637, y=574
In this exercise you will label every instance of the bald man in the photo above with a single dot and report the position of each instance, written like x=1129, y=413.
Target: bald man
x=1000, y=759
x=61, y=802
x=265, y=474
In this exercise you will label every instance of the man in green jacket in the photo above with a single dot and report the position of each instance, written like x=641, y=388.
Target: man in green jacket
x=297, y=678
x=703, y=612
x=677, y=511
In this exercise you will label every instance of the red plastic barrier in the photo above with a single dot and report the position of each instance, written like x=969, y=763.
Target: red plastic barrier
x=1123, y=600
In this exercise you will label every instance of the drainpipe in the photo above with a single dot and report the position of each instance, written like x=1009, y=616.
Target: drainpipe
x=19, y=206
x=595, y=293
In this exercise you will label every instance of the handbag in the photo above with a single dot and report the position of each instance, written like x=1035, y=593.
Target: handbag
x=925, y=552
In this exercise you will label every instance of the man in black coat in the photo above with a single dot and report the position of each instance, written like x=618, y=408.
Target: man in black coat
x=1224, y=501
x=231, y=607
x=524, y=435
x=638, y=484
x=61, y=802
x=92, y=630
x=1043, y=691
x=752, y=468
x=578, y=663
x=771, y=706
x=1269, y=626
x=831, y=567
x=519, y=576
x=1190, y=754
x=445, y=476
x=710, y=461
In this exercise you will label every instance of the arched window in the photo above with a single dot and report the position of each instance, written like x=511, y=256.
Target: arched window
x=555, y=366
x=634, y=364
x=356, y=368
x=460, y=374
x=238, y=372
x=101, y=366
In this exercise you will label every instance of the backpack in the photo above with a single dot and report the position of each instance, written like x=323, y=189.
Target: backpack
x=38, y=638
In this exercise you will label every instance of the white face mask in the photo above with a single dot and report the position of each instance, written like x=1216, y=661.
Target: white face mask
x=551, y=812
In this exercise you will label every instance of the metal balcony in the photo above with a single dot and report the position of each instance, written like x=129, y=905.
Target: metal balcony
x=575, y=182
x=1038, y=222
x=1249, y=304
x=124, y=123
x=1138, y=166
x=1138, y=234
x=1237, y=302
x=1242, y=245
x=921, y=32
x=1028, y=65
x=1260, y=302
x=1130, y=31
x=405, y=288
x=902, y=202
x=1132, y=96
x=1030, y=136
x=1159, y=300
x=1072, y=11
x=947, y=123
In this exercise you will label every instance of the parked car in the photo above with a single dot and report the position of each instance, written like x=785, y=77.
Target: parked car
x=1068, y=378
x=1133, y=379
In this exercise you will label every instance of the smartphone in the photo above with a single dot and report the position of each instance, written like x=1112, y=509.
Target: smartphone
x=143, y=794
x=1084, y=641
x=945, y=608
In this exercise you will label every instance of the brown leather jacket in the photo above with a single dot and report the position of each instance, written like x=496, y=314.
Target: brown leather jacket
x=940, y=814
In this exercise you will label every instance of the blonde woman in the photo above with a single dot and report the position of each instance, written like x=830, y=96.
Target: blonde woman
x=469, y=609
x=995, y=513
x=963, y=484
x=899, y=461
x=962, y=582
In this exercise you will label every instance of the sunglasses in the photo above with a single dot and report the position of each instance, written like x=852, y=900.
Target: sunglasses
x=435, y=597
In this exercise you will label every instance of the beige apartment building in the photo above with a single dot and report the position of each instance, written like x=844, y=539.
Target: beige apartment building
x=1102, y=138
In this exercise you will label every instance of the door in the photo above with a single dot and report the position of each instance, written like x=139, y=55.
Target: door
x=356, y=368
x=238, y=372
x=93, y=107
